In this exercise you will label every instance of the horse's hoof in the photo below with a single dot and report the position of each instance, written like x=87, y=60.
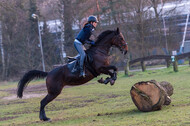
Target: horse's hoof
x=49, y=120
x=101, y=80
x=112, y=82
x=46, y=119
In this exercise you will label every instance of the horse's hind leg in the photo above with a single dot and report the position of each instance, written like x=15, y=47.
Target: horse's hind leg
x=44, y=102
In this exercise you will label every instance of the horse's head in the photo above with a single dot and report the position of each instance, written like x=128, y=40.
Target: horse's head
x=118, y=41
x=109, y=38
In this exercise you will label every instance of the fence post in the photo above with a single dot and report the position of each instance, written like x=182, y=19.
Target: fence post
x=126, y=68
x=168, y=63
x=143, y=66
x=175, y=65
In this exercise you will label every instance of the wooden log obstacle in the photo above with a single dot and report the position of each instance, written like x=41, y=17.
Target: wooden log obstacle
x=151, y=95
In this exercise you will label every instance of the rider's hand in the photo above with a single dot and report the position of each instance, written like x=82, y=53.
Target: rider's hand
x=92, y=43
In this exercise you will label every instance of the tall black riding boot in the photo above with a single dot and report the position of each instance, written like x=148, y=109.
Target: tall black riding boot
x=82, y=72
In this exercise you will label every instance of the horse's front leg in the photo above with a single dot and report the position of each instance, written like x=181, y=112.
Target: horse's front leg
x=113, y=75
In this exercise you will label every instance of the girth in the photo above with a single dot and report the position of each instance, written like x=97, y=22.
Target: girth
x=87, y=64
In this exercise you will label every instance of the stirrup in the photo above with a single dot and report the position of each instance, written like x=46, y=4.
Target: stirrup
x=73, y=70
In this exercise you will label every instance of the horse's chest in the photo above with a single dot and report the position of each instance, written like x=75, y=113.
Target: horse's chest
x=107, y=62
x=103, y=60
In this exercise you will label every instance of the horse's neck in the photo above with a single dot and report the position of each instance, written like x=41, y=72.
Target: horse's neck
x=103, y=47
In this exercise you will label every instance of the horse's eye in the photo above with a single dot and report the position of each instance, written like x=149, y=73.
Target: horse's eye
x=121, y=38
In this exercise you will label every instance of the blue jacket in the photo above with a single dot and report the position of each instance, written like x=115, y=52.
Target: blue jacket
x=85, y=33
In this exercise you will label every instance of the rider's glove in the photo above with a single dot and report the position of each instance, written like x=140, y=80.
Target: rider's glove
x=92, y=43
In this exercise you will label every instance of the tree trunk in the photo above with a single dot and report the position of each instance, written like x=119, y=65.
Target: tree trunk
x=98, y=10
x=68, y=32
x=167, y=87
x=111, y=4
x=151, y=95
x=2, y=51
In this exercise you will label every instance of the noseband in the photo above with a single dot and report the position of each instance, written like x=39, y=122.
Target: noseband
x=122, y=45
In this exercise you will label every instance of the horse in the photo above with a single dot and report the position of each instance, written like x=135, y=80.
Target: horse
x=62, y=75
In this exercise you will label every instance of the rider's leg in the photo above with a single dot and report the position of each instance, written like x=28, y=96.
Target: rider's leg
x=79, y=47
x=76, y=64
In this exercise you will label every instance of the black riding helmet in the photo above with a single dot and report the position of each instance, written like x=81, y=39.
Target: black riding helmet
x=92, y=19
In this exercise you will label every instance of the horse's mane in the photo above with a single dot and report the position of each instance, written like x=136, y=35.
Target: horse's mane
x=100, y=38
x=102, y=35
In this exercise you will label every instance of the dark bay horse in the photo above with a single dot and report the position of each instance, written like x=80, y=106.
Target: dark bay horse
x=62, y=76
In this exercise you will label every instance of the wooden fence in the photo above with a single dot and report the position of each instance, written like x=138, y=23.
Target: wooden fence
x=168, y=58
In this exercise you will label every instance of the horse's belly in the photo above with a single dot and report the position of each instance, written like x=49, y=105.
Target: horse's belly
x=78, y=81
x=74, y=79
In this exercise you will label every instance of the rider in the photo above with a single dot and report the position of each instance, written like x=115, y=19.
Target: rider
x=84, y=37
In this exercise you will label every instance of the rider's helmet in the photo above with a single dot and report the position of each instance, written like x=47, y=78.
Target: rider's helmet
x=92, y=19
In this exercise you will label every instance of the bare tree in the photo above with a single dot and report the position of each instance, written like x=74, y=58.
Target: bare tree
x=2, y=51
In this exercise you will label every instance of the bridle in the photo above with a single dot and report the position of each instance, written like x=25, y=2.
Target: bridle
x=121, y=45
x=114, y=40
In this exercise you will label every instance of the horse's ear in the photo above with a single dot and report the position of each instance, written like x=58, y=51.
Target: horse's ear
x=118, y=30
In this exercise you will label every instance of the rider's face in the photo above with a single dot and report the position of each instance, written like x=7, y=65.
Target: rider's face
x=94, y=24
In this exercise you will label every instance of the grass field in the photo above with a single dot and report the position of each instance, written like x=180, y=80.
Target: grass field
x=94, y=104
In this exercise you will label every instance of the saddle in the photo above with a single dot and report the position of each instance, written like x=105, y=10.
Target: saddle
x=74, y=62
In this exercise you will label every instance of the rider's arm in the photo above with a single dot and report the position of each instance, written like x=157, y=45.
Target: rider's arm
x=88, y=33
x=90, y=42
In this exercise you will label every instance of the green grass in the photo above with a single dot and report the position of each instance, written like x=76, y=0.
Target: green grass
x=101, y=105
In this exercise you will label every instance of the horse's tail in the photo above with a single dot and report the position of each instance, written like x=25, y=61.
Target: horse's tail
x=27, y=78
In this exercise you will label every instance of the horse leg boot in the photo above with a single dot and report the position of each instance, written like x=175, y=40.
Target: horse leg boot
x=113, y=78
x=113, y=75
x=82, y=72
x=44, y=102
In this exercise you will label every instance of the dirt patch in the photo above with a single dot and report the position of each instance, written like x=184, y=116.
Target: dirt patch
x=89, y=101
x=113, y=96
x=8, y=118
x=37, y=88
x=25, y=96
x=31, y=89
x=34, y=88
x=104, y=114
